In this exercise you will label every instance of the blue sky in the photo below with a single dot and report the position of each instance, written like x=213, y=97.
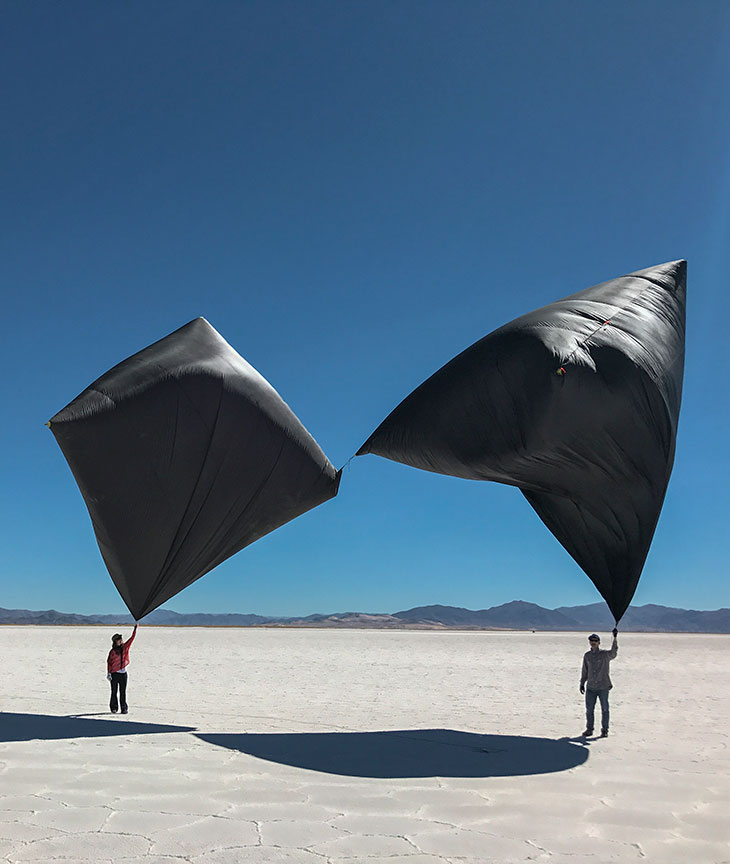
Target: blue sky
x=352, y=193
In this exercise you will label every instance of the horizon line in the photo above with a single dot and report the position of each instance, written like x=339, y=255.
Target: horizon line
x=360, y=612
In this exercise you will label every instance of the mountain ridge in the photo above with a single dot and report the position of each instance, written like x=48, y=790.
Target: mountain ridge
x=515, y=615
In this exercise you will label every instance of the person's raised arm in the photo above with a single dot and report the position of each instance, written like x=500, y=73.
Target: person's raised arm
x=614, y=645
x=131, y=638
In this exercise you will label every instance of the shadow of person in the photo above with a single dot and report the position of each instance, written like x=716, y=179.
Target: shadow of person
x=581, y=739
x=45, y=727
x=408, y=752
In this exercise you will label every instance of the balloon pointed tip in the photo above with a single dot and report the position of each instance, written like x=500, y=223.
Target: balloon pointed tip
x=674, y=268
x=670, y=274
x=365, y=449
x=679, y=267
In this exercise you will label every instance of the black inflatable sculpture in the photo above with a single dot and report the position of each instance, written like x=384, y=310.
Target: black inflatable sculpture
x=185, y=454
x=577, y=405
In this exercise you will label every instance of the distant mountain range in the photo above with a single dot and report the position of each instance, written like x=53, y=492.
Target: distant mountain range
x=516, y=615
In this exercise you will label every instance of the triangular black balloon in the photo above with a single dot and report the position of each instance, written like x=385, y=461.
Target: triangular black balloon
x=577, y=405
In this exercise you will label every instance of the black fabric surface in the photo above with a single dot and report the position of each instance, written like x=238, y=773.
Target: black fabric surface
x=592, y=449
x=185, y=454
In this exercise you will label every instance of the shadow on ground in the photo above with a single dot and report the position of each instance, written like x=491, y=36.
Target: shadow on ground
x=409, y=753
x=30, y=727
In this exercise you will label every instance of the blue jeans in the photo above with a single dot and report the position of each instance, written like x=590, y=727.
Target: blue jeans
x=591, y=696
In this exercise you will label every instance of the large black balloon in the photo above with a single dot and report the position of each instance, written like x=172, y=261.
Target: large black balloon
x=185, y=454
x=577, y=405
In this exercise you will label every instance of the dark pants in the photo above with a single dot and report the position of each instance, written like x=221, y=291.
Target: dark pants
x=119, y=682
x=591, y=696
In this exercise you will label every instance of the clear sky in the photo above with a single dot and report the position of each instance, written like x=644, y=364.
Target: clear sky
x=352, y=193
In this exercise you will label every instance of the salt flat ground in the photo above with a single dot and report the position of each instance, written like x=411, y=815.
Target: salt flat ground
x=355, y=746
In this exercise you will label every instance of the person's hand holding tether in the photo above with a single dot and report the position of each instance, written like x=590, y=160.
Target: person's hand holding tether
x=615, y=632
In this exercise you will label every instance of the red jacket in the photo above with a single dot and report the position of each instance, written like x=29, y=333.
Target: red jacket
x=116, y=662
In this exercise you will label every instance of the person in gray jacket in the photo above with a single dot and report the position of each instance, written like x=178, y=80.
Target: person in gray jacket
x=595, y=681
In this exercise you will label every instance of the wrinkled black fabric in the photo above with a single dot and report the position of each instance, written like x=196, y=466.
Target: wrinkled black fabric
x=591, y=448
x=185, y=454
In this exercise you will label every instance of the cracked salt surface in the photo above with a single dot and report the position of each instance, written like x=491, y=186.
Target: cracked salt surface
x=298, y=776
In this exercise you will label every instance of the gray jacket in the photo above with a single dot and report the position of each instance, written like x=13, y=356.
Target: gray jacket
x=595, y=668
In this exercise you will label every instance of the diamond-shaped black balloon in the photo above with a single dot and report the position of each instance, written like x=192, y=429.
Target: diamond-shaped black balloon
x=185, y=454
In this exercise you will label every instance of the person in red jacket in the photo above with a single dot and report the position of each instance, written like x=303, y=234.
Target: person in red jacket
x=116, y=670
